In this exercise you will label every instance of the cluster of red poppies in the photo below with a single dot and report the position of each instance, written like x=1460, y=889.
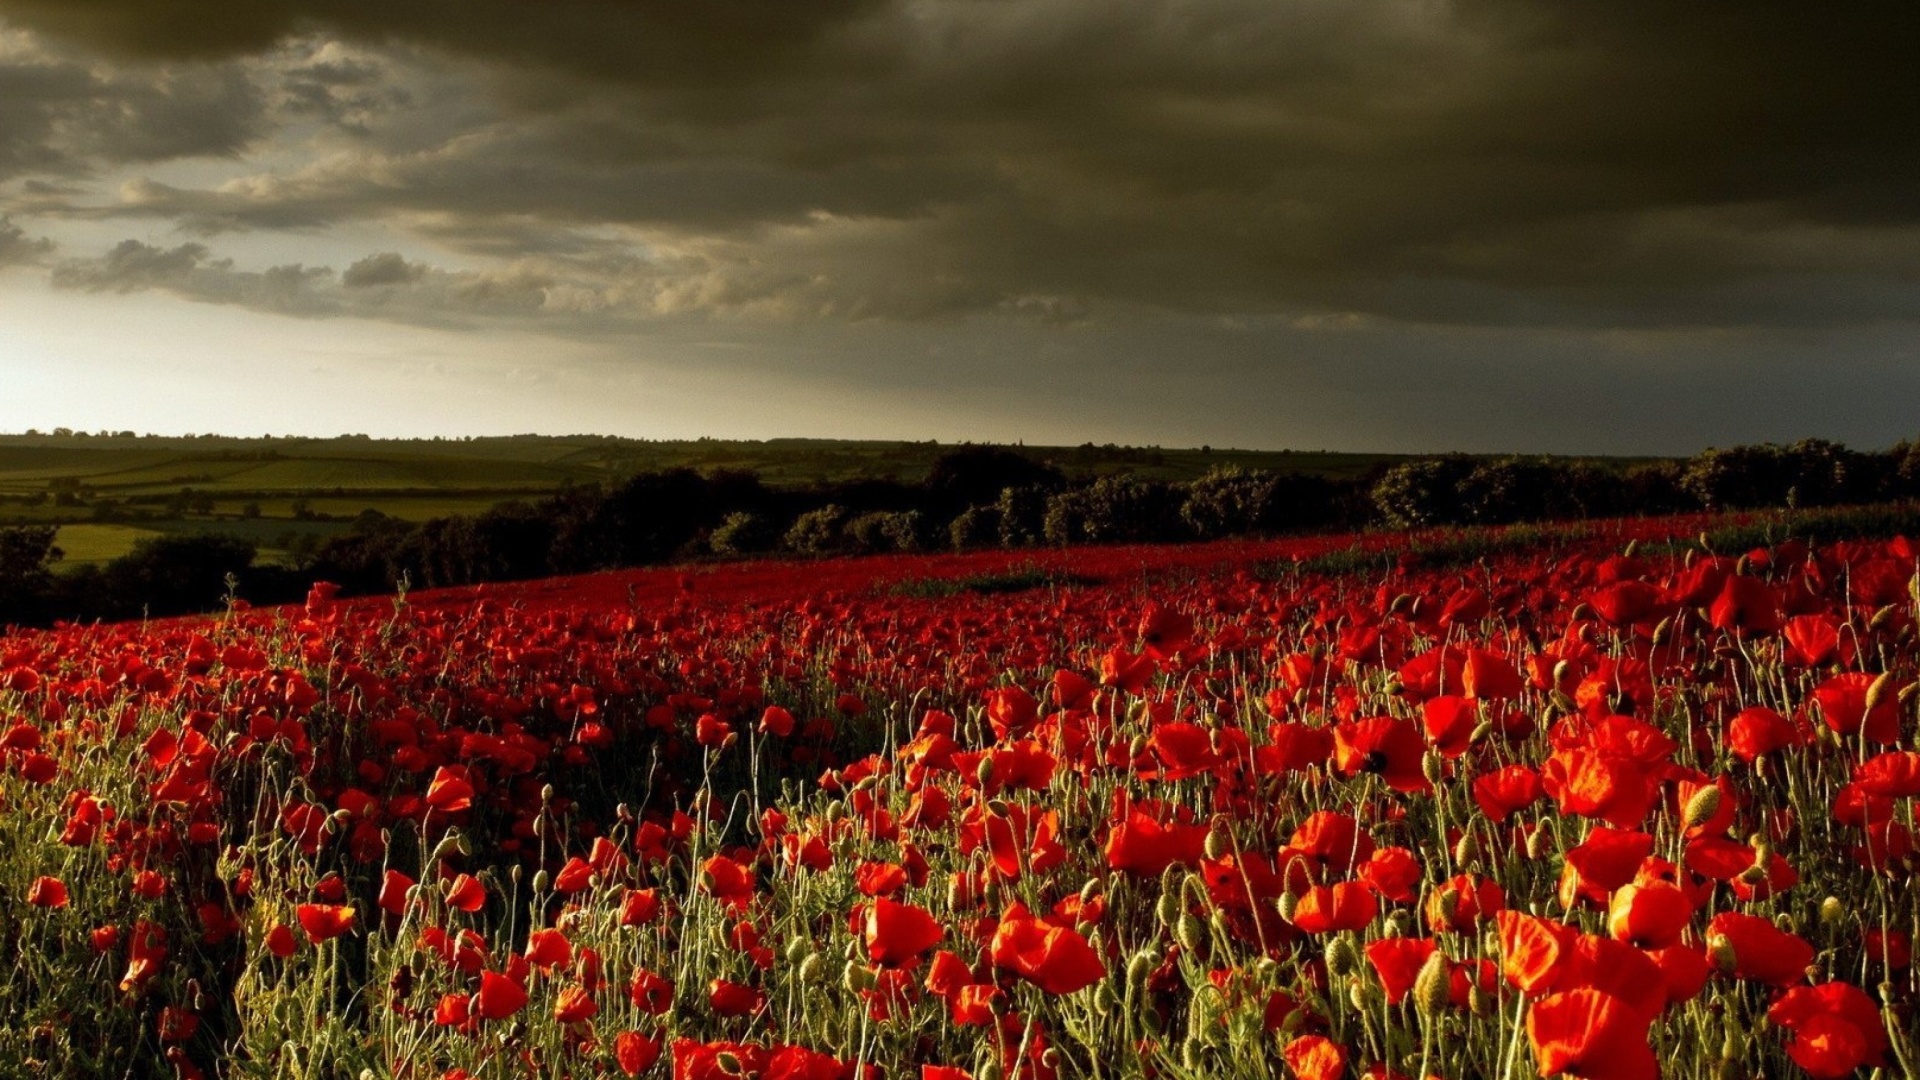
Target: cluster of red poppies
x=1196, y=813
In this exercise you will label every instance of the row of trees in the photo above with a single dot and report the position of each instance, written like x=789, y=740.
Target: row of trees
x=974, y=497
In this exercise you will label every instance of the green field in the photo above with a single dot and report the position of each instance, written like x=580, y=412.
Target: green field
x=109, y=491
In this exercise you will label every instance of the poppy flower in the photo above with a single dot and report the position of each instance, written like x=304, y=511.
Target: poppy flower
x=897, y=933
x=1591, y=1035
x=1324, y=909
x=1315, y=1057
x=635, y=1053
x=47, y=892
x=574, y=1005
x=324, y=922
x=1842, y=702
x=1142, y=846
x=651, y=993
x=1397, y=961
x=466, y=893
x=1651, y=915
x=1054, y=958
x=1834, y=1027
x=1390, y=747
x=393, y=892
x=450, y=790
x=728, y=998
x=280, y=941
x=1531, y=950
x=1760, y=950
x=499, y=996
x=1501, y=793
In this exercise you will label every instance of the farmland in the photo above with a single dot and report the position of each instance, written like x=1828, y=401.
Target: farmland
x=285, y=494
x=1603, y=801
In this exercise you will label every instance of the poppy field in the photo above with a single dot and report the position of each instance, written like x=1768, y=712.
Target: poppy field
x=1608, y=803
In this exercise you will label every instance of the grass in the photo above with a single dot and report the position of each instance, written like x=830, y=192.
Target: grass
x=1020, y=580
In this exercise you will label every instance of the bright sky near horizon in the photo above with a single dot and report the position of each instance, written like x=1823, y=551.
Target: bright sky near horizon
x=1397, y=225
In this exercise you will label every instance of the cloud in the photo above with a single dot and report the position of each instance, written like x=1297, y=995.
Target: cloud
x=386, y=268
x=1479, y=163
x=17, y=247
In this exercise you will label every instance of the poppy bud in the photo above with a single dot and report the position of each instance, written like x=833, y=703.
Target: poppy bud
x=1433, y=987
x=1191, y=933
x=1140, y=967
x=798, y=950
x=1663, y=630
x=1720, y=951
x=1480, y=732
x=1219, y=840
x=1832, y=911
x=1538, y=839
x=855, y=977
x=809, y=970
x=1702, y=806
x=1581, y=612
x=540, y=881
x=1467, y=851
x=1879, y=621
x=1090, y=890
x=1480, y=1002
x=1433, y=767
x=729, y=1063
x=1286, y=905
x=983, y=773
x=1341, y=958
x=1167, y=909
x=1882, y=686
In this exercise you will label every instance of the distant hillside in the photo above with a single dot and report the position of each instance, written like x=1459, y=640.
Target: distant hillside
x=109, y=491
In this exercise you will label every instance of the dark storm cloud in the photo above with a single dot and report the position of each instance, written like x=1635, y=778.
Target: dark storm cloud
x=1483, y=162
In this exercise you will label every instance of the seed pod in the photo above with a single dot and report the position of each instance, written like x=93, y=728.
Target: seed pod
x=1702, y=806
x=1433, y=987
x=729, y=1063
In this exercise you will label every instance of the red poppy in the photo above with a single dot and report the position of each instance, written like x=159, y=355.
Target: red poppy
x=1760, y=950
x=1315, y=1057
x=1835, y=1028
x=574, y=1005
x=1651, y=915
x=634, y=1052
x=393, y=892
x=1390, y=747
x=499, y=996
x=1142, y=846
x=1055, y=958
x=1324, y=909
x=1591, y=1035
x=1397, y=961
x=897, y=933
x=466, y=893
x=729, y=998
x=324, y=922
x=47, y=892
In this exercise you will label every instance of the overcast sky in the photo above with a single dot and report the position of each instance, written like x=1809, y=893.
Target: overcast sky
x=1362, y=224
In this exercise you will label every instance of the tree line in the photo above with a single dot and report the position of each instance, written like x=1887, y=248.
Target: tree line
x=974, y=497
